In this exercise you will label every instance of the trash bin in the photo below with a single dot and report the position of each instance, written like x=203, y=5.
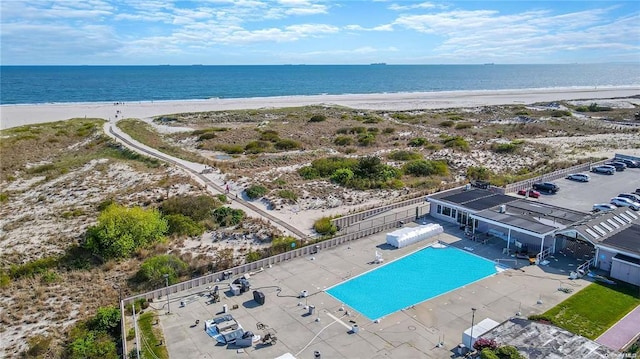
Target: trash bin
x=258, y=297
x=312, y=308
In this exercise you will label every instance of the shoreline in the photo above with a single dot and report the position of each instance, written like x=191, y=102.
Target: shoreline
x=25, y=114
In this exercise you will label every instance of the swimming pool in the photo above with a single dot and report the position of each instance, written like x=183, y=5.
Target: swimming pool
x=412, y=279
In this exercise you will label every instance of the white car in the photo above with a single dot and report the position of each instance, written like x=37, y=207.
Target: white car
x=603, y=207
x=604, y=169
x=625, y=202
x=580, y=177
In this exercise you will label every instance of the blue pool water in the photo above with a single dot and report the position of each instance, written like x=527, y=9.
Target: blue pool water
x=410, y=280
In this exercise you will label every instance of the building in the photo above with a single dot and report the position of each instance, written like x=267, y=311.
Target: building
x=544, y=341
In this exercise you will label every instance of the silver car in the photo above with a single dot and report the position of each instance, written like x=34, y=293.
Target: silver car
x=580, y=177
x=604, y=169
x=603, y=207
x=631, y=196
x=625, y=202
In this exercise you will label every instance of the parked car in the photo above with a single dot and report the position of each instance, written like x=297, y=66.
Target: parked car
x=637, y=191
x=580, y=177
x=609, y=170
x=632, y=196
x=619, y=166
x=546, y=187
x=625, y=202
x=532, y=193
x=629, y=163
x=603, y=207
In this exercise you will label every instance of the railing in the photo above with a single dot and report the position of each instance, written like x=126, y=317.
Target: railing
x=346, y=221
x=217, y=277
x=584, y=267
x=499, y=260
x=543, y=254
x=528, y=183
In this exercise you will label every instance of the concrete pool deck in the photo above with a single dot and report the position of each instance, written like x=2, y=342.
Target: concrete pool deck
x=410, y=333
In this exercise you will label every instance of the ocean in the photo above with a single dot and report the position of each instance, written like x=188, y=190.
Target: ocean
x=64, y=84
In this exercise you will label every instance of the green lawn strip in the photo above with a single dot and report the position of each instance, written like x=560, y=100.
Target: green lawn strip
x=150, y=338
x=144, y=133
x=593, y=310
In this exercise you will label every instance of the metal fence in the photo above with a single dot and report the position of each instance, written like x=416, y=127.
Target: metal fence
x=346, y=221
x=213, y=278
x=527, y=184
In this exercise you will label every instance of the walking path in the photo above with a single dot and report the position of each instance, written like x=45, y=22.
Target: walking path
x=623, y=332
x=195, y=170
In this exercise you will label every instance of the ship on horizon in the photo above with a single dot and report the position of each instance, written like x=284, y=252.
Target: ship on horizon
x=378, y=64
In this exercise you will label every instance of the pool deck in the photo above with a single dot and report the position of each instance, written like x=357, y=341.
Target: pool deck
x=410, y=333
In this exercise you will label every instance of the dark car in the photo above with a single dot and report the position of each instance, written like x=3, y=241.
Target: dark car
x=618, y=165
x=546, y=187
x=629, y=163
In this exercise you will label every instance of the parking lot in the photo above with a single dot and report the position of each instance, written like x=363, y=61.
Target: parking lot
x=581, y=196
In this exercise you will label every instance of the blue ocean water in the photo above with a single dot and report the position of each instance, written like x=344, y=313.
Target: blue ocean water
x=410, y=280
x=52, y=84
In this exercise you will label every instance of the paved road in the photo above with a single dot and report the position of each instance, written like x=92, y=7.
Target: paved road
x=623, y=332
x=195, y=169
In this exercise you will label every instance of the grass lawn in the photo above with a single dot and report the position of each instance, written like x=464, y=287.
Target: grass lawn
x=593, y=310
x=150, y=338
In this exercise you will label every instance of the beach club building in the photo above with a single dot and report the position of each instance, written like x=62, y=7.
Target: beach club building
x=609, y=241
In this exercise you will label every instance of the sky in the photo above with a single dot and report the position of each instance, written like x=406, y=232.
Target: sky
x=248, y=32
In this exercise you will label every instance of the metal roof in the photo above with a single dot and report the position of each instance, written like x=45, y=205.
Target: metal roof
x=473, y=199
x=547, y=341
x=610, y=228
x=517, y=221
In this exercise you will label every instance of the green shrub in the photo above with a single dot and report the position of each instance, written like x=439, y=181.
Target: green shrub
x=182, y=225
x=560, y=113
x=230, y=149
x=287, y=145
x=253, y=256
x=463, y=125
x=343, y=141
x=153, y=270
x=121, y=231
x=504, y=147
x=288, y=194
x=479, y=173
x=446, y=123
x=283, y=244
x=418, y=141
x=107, y=319
x=206, y=136
x=456, y=142
x=324, y=226
x=342, y=176
x=373, y=130
x=49, y=277
x=367, y=139
x=31, y=269
x=308, y=172
x=197, y=208
x=226, y=216
x=426, y=168
x=4, y=197
x=388, y=130
x=404, y=155
x=269, y=135
x=257, y=147
x=222, y=198
x=318, y=118
x=325, y=167
x=255, y=191
x=455, y=117
x=37, y=346
x=487, y=353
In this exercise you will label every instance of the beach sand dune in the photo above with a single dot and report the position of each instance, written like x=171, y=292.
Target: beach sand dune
x=18, y=115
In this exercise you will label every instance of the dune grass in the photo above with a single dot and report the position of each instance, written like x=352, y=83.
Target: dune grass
x=150, y=338
x=593, y=310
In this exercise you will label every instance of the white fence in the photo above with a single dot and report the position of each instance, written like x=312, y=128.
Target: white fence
x=346, y=221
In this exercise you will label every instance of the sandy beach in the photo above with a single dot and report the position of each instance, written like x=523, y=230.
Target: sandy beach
x=18, y=115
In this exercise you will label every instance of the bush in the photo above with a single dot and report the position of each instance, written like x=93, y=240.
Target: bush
x=152, y=270
x=226, y=216
x=197, y=208
x=343, y=141
x=287, y=145
x=342, y=176
x=324, y=226
x=31, y=269
x=560, y=113
x=418, y=142
x=288, y=194
x=404, y=156
x=283, y=244
x=37, y=346
x=206, y=136
x=257, y=147
x=426, y=168
x=229, y=149
x=456, y=142
x=318, y=118
x=463, y=125
x=479, y=173
x=269, y=135
x=92, y=345
x=182, y=225
x=447, y=123
x=255, y=191
x=107, y=319
x=367, y=139
x=504, y=147
x=325, y=167
x=308, y=172
x=388, y=130
x=488, y=354
x=253, y=256
x=121, y=231
x=483, y=343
